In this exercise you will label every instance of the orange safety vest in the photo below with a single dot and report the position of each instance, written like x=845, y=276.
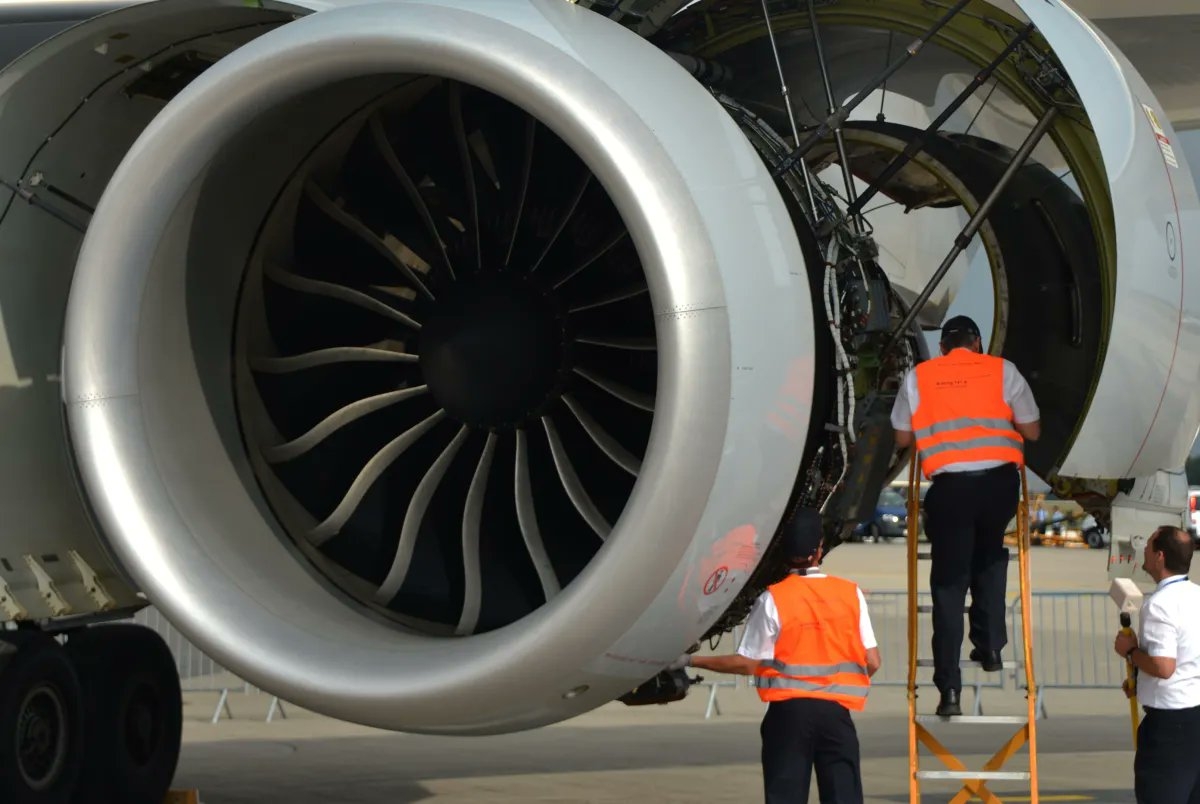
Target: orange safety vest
x=819, y=652
x=961, y=414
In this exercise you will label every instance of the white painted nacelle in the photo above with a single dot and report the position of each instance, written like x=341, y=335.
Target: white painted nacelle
x=475, y=450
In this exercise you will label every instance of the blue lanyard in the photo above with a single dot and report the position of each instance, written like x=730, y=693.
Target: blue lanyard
x=1169, y=583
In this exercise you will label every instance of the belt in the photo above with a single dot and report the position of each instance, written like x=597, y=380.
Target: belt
x=1004, y=467
x=1161, y=710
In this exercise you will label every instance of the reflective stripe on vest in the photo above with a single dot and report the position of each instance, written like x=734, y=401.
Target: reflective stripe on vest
x=819, y=651
x=779, y=683
x=961, y=415
x=814, y=669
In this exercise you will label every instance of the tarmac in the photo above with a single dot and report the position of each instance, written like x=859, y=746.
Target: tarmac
x=668, y=753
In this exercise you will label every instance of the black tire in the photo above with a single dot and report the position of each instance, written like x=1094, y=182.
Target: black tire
x=1095, y=539
x=41, y=722
x=134, y=714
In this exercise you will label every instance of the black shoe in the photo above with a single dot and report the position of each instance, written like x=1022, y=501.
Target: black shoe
x=988, y=659
x=949, y=706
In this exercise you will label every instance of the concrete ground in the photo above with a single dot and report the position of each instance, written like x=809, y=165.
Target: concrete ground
x=668, y=754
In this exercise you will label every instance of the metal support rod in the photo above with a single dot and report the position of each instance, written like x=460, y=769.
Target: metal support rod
x=70, y=199
x=968, y=233
x=33, y=200
x=839, y=141
x=841, y=114
x=787, y=102
x=917, y=144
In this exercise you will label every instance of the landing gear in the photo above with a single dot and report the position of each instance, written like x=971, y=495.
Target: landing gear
x=97, y=720
x=41, y=721
x=133, y=713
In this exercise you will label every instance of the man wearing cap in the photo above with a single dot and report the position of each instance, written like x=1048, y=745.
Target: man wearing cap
x=969, y=414
x=810, y=646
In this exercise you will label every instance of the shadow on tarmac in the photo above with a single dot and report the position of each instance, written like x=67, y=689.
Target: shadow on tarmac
x=391, y=768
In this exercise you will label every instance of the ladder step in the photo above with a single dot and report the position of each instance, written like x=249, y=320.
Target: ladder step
x=982, y=720
x=966, y=664
x=966, y=776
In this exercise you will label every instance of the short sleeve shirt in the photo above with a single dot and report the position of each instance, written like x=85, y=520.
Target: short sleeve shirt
x=762, y=626
x=1170, y=628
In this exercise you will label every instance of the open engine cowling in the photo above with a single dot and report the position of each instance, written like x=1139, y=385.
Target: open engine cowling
x=292, y=257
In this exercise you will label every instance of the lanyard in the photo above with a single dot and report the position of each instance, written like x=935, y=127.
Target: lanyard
x=1169, y=583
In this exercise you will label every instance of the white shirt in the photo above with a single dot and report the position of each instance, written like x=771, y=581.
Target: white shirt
x=1017, y=395
x=1170, y=628
x=762, y=626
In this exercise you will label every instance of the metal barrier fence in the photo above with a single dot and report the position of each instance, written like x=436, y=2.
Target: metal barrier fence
x=1072, y=644
x=200, y=673
x=1072, y=650
x=1072, y=647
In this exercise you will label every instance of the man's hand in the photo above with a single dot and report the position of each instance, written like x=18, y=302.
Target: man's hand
x=1129, y=687
x=683, y=661
x=1124, y=643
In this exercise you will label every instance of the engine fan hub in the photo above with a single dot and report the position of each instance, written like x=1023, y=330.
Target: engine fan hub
x=492, y=350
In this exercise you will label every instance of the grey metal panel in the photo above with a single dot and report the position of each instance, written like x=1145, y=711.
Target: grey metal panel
x=42, y=92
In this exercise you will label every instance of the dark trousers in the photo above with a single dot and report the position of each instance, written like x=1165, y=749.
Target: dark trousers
x=965, y=519
x=1166, y=769
x=805, y=733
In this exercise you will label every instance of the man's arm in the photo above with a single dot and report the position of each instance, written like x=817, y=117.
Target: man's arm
x=758, y=642
x=867, y=633
x=1030, y=431
x=902, y=416
x=1157, y=666
x=731, y=663
x=873, y=661
x=1155, y=652
x=1019, y=396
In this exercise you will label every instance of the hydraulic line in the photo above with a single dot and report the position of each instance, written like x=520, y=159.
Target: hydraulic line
x=32, y=199
x=839, y=140
x=917, y=144
x=842, y=113
x=968, y=233
x=787, y=102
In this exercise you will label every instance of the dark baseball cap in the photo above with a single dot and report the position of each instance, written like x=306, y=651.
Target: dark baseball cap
x=802, y=533
x=960, y=323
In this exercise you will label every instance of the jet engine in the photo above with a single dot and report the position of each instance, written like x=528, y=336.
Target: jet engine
x=450, y=366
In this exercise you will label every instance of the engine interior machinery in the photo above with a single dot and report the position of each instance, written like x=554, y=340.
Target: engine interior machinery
x=449, y=366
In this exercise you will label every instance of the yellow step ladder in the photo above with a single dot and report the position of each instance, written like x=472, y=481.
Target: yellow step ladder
x=974, y=782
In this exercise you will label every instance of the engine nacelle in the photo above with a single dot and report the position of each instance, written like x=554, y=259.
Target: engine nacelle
x=416, y=355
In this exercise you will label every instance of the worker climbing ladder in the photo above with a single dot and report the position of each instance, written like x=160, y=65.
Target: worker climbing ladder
x=974, y=782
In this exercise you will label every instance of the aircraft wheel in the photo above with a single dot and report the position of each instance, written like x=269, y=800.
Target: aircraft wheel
x=41, y=721
x=134, y=710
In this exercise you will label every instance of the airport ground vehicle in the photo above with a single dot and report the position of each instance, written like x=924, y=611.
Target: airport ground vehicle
x=889, y=521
